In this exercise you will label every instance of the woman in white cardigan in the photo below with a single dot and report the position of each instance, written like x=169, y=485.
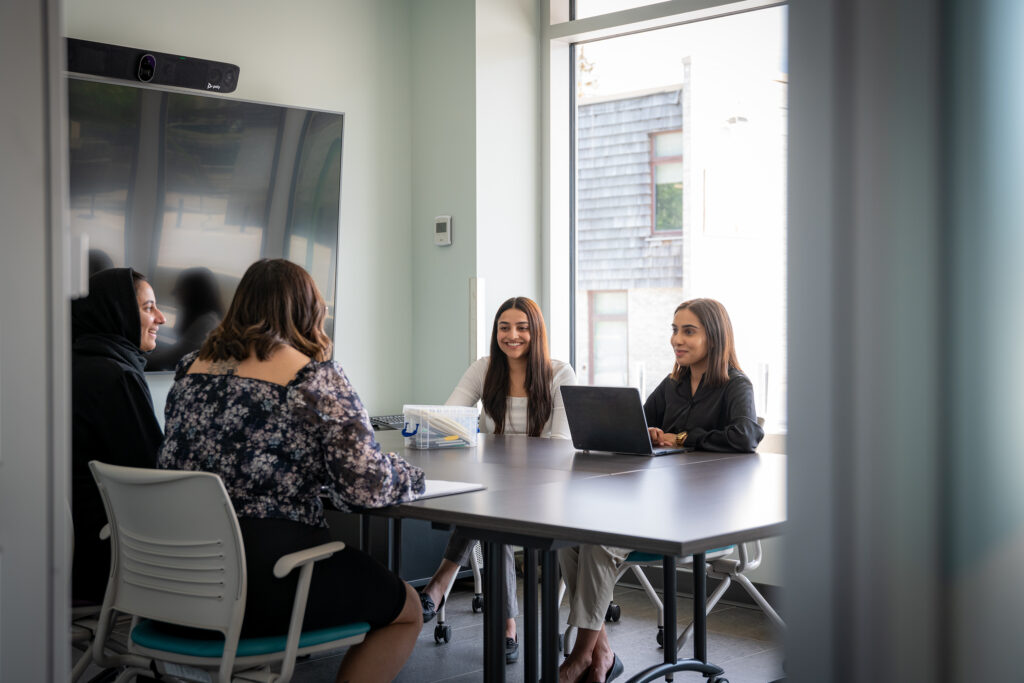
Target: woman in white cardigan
x=518, y=385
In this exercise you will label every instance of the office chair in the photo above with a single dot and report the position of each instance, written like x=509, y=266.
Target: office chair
x=720, y=565
x=443, y=630
x=177, y=559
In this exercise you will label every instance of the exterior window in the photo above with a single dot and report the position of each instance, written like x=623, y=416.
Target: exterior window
x=680, y=192
x=667, y=178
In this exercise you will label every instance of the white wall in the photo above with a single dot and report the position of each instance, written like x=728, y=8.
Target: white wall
x=351, y=56
x=508, y=150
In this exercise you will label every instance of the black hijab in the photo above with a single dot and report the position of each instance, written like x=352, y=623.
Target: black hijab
x=106, y=323
x=112, y=413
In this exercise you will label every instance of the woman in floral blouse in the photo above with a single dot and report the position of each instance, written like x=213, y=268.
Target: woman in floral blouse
x=261, y=405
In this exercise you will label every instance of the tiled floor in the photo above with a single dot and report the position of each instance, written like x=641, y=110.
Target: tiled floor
x=740, y=639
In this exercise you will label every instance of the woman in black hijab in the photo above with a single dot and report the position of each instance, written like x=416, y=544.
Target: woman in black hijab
x=112, y=410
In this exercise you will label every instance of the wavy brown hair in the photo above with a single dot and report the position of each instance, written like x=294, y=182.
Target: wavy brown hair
x=718, y=332
x=276, y=303
x=538, y=371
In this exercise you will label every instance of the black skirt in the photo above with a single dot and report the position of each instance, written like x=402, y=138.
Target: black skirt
x=349, y=586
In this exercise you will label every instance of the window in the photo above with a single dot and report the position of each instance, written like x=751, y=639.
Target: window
x=679, y=192
x=667, y=181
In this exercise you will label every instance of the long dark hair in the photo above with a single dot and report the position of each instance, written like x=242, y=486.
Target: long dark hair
x=276, y=303
x=718, y=332
x=538, y=371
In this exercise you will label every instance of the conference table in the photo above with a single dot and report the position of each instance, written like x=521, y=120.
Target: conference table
x=542, y=494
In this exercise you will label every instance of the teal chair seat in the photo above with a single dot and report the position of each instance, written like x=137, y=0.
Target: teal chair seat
x=154, y=635
x=639, y=557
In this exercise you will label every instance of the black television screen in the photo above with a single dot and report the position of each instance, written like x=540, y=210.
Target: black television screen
x=190, y=189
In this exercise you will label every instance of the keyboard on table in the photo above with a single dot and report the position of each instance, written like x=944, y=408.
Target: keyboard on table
x=388, y=421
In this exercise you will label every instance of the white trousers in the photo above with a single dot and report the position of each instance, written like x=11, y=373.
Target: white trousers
x=589, y=572
x=458, y=550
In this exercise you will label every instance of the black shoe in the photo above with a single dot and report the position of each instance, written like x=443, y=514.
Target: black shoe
x=511, y=650
x=429, y=610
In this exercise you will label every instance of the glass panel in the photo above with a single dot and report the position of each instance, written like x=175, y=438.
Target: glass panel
x=610, y=303
x=711, y=222
x=668, y=196
x=668, y=145
x=610, y=352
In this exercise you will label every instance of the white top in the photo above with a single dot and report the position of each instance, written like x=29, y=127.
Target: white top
x=471, y=388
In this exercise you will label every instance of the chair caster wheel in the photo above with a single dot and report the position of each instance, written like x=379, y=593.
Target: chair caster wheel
x=478, y=603
x=613, y=613
x=442, y=632
x=661, y=637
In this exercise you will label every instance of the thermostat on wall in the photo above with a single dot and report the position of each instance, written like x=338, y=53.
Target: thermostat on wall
x=443, y=231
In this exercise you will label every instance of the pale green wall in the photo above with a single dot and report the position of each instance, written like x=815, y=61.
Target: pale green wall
x=418, y=143
x=444, y=168
x=476, y=133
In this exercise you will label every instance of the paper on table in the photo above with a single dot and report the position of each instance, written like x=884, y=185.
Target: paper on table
x=441, y=487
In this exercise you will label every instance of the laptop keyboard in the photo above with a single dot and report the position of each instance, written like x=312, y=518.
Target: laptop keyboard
x=388, y=421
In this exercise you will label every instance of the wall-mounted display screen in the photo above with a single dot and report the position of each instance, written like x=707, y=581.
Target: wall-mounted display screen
x=190, y=189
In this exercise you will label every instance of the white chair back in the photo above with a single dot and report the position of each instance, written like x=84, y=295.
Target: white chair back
x=177, y=553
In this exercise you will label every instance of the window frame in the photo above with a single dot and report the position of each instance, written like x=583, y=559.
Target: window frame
x=560, y=34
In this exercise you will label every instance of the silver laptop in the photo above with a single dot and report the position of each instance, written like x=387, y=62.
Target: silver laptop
x=609, y=419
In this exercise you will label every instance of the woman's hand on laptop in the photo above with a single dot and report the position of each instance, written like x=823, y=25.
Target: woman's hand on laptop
x=660, y=438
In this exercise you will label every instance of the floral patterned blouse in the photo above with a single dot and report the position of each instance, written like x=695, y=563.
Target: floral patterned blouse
x=278, y=448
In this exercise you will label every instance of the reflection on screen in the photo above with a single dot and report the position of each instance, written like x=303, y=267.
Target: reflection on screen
x=174, y=184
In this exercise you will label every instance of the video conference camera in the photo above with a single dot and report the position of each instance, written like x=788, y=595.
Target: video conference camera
x=146, y=66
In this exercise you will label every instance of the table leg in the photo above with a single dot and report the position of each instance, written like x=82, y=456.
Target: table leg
x=700, y=602
x=528, y=643
x=364, y=533
x=700, y=616
x=395, y=547
x=494, y=612
x=549, y=616
x=668, y=574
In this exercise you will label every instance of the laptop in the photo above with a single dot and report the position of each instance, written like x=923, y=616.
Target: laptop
x=609, y=419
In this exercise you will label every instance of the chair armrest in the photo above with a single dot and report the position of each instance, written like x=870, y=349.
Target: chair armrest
x=303, y=559
x=288, y=562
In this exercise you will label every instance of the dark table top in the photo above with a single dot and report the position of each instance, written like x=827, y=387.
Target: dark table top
x=543, y=488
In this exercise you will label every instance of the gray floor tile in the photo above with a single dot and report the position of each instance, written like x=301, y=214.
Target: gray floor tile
x=740, y=639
